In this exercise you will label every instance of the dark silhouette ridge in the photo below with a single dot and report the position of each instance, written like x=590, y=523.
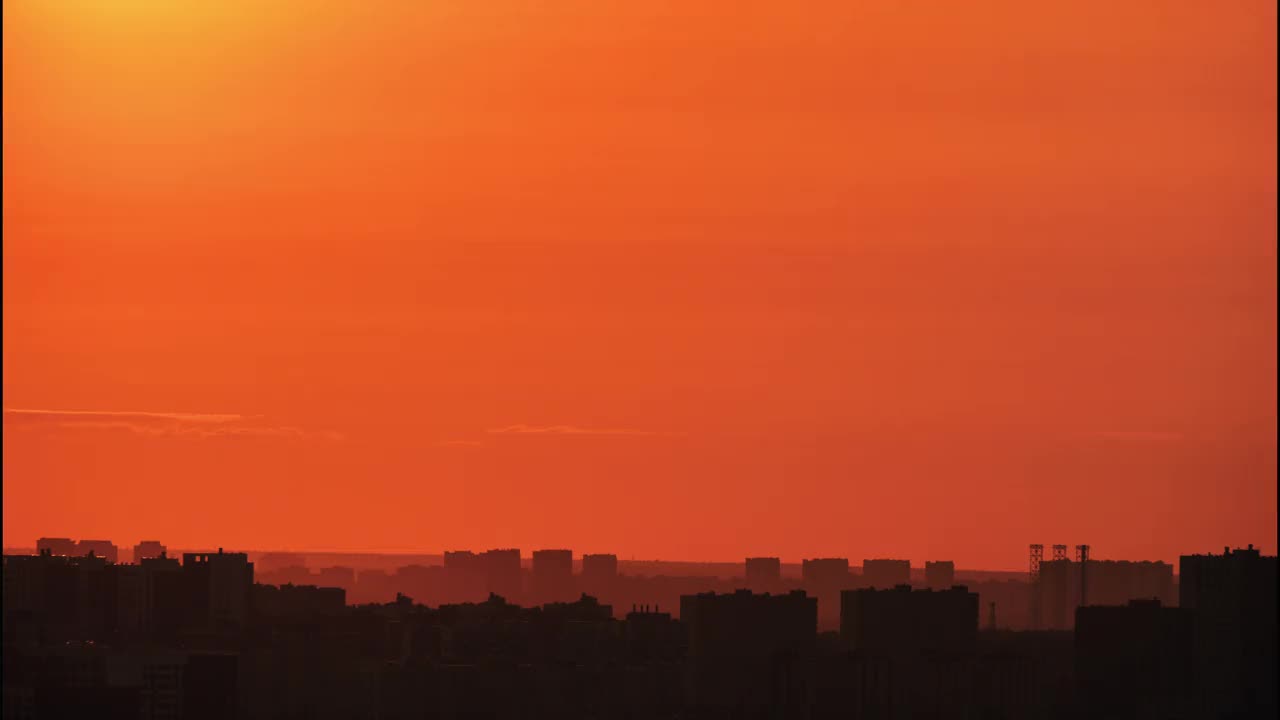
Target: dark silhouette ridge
x=211, y=637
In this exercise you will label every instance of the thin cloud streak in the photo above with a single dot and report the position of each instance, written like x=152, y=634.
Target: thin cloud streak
x=564, y=430
x=125, y=415
x=158, y=424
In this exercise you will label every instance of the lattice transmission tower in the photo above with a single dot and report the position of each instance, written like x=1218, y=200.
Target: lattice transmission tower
x=1037, y=556
x=1082, y=557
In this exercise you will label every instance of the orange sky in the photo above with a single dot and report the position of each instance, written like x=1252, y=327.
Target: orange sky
x=675, y=278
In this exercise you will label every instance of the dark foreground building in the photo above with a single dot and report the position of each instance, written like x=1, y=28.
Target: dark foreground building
x=902, y=621
x=84, y=637
x=736, y=643
x=923, y=641
x=1136, y=661
x=1233, y=598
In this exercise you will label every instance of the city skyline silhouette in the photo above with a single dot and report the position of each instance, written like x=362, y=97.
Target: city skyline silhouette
x=647, y=360
x=501, y=633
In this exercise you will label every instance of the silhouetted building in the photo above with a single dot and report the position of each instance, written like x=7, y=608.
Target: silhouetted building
x=465, y=577
x=653, y=684
x=57, y=546
x=928, y=639
x=737, y=640
x=825, y=572
x=148, y=549
x=1057, y=594
x=1116, y=582
x=471, y=577
x=600, y=576
x=885, y=574
x=939, y=575
x=601, y=569
x=552, y=575
x=1110, y=582
x=825, y=578
x=98, y=598
x=42, y=597
x=104, y=549
x=49, y=598
x=131, y=593
x=584, y=609
x=651, y=635
x=905, y=621
x=221, y=586
x=67, y=547
x=1234, y=598
x=461, y=560
x=582, y=632
x=1135, y=661
x=501, y=569
x=167, y=598
x=764, y=573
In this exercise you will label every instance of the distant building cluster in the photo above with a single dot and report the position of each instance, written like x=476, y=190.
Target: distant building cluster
x=73, y=598
x=71, y=548
x=1109, y=582
x=85, y=636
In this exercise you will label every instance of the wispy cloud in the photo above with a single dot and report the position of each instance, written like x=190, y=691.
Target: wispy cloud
x=159, y=423
x=122, y=415
x=563, y=430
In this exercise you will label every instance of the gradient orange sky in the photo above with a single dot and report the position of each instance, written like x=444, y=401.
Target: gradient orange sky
x=673, y=279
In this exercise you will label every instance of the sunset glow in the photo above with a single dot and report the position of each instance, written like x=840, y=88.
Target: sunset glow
x=673, y=279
